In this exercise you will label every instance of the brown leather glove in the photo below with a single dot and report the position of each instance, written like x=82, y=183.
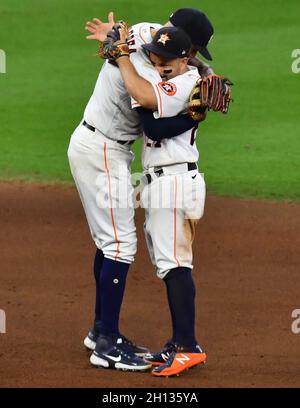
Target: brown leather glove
x=212, y=93
x=114, y=47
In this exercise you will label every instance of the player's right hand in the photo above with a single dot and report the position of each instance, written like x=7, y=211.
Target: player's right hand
x=98, y=29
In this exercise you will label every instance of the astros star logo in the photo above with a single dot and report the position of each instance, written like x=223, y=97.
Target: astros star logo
x=164, y=38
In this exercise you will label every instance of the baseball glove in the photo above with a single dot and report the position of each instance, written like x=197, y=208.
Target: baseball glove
x=213, y=93
x=115, y=45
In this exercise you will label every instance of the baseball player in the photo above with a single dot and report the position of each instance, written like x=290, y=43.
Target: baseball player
x=100, y=156
x=170, y=167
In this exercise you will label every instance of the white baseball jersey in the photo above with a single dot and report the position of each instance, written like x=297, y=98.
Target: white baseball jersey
x=172, y=99
x=109, y=108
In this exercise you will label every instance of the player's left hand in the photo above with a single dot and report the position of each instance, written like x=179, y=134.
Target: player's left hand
x=98, y=29
x=115, y=45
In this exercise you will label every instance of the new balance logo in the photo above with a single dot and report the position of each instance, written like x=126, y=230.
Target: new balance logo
x=165, y=356
x=182, y=359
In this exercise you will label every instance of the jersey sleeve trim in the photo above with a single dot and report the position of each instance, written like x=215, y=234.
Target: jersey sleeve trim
x=135, y=105
x=159, y=112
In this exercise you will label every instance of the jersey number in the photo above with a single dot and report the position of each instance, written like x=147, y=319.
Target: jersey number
x=131, y=42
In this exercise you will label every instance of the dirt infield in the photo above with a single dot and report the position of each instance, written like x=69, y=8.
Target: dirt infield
x=247, y=275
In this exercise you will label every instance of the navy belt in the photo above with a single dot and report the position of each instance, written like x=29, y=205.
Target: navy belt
x=122, y=142
x=160, y=172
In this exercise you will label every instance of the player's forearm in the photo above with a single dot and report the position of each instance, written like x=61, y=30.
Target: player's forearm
x=164, y=128
x=203, y=69
x=137, y=87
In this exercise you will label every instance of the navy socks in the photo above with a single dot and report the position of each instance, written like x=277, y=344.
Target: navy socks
x=111, y=286
x=98, y=262
x=181, y=297
x=110, y=277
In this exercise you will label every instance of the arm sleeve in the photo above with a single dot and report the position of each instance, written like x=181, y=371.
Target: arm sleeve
x=158, y=129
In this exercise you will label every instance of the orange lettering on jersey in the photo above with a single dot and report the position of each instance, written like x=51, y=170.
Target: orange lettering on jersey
x=168, y=88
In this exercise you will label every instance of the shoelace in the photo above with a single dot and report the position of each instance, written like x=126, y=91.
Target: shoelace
x=127, y=341
x=168, y=349
x=127, y=354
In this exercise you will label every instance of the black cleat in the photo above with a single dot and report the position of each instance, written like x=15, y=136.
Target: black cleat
x=110, y=352
x=94, y=333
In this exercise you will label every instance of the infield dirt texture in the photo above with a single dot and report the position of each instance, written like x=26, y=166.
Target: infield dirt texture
x=246, y=272
x=246, y=247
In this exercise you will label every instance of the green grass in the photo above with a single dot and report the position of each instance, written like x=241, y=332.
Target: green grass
x=51, y=72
